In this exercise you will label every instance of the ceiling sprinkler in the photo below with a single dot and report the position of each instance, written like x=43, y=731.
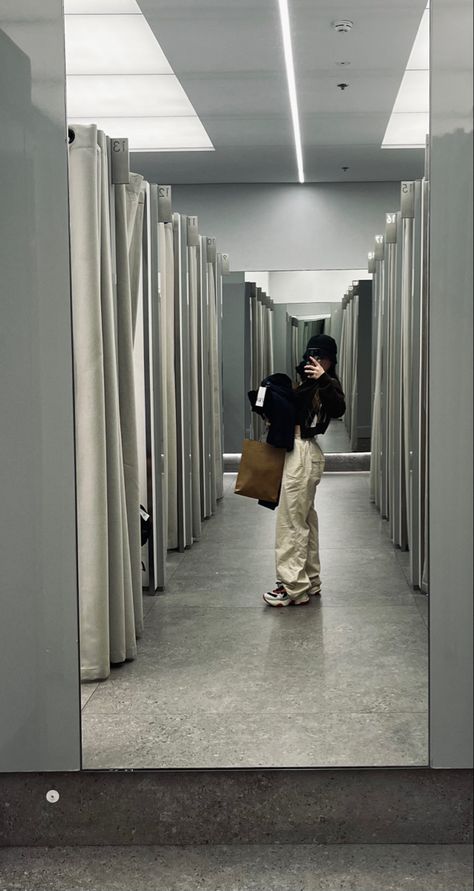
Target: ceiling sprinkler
x=344, y=169
x=343, y=86
x=343, y=26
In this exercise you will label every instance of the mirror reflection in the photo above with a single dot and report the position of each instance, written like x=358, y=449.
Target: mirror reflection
x=185, y=660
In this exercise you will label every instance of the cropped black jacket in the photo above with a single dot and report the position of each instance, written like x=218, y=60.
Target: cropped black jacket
x=322, y=398
x=285, y=407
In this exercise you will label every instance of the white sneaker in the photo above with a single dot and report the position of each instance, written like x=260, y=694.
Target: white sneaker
x=282, y=598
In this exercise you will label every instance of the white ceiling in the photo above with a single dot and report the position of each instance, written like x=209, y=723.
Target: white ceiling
x=228, y=57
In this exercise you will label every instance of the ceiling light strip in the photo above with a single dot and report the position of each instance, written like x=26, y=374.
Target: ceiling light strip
x=290, y=75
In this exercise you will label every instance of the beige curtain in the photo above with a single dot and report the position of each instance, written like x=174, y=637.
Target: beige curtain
x=107, y=619
x=125, y=209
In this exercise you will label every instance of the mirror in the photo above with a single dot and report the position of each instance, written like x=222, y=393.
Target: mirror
x=309, y=302
x=199, y=670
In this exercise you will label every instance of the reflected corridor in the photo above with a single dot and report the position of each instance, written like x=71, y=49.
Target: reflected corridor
x=224, y=681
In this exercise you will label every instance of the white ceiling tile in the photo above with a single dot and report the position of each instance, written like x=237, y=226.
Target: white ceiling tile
x=153, y=134
x=228, y=58
x=104, y=7
x=407, y=130
x=156, y=95
x=414, y=93
x=103, y=44
x=420, y=54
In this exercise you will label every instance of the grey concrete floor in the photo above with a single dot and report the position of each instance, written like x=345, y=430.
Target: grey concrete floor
x=239, y=868
x=221, y=680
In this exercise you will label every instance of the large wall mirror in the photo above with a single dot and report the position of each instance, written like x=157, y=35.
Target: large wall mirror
x=143, y=412
x=206, y=674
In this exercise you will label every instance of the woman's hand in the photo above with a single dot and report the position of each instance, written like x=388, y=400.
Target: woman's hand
x=313, y=369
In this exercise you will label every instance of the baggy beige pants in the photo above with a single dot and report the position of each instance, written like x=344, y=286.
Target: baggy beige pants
x=297, y=534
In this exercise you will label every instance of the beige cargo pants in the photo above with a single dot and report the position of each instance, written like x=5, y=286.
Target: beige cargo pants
x=297, y=532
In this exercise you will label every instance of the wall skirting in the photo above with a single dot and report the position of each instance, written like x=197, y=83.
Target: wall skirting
x=344, y=806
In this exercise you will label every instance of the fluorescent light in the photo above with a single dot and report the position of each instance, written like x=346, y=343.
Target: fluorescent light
x=147, y=134
x=290, y=75
x=119, y=78
x=129, y=95
x=119, y=44
x=420, y=52
x=414, y=93
x=101, y=7
x=409, y=121
x=407, y=130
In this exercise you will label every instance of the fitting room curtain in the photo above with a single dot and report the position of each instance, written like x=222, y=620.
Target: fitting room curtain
x=121, y=614
x=354, y=377
x=204, y=380
x=139, y=373
x=216, y=389
x=126, y=203
x=194, y=384
x=212, y=378
x=107, y=620
x=166, y=254
x=376, y=437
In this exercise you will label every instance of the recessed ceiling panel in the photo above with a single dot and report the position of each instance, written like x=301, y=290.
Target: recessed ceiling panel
x=127, y=95
x=420, y=54
x=407, y=130
x=98, y=7
x=153, y=134
x=229, y=59
x=414, y=93
x=93, y=46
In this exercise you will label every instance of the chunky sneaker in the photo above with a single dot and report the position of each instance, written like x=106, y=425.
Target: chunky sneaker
x=315, y=593
x=281, y=598
x=279, y=588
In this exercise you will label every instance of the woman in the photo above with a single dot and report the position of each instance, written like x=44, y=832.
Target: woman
x=318, y=399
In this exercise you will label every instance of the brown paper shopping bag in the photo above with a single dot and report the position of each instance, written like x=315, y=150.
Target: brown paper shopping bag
x=260, y=471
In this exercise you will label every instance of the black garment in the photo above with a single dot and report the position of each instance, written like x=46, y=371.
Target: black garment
x=279, y=408
x=322, y=398
x=286, y=407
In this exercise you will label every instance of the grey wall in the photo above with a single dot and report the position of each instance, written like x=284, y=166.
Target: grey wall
x=39, y=698
x=236, y=367
x=270, y=227
x=310, y=286
x=450, y=435
x=364, y=366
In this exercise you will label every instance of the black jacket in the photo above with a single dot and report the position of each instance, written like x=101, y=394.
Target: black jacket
x=279, y=408
x=284, y=407
x=322, y=398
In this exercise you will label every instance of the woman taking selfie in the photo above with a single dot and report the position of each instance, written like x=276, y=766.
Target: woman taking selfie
x=318, y=398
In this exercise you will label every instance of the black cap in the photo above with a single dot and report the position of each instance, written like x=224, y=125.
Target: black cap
x=326, y=346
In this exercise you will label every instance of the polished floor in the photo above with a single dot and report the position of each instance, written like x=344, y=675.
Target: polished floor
x=224, y=681
x=336, y=439
x=239, y=868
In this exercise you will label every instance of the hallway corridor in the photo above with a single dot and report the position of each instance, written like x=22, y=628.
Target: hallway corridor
x=223, y=681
